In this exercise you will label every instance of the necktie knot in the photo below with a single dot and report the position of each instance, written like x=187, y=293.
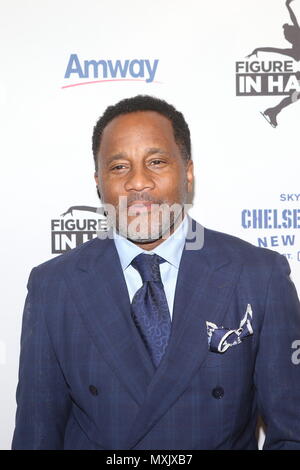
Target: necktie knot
x=148, y=266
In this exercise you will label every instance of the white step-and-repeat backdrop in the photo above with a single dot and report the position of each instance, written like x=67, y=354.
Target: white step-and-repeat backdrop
x=64, y=61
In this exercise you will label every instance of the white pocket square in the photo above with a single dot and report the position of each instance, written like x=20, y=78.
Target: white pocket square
x=220, y=338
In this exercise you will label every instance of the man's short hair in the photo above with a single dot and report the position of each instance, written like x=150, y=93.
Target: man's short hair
x=145, y=103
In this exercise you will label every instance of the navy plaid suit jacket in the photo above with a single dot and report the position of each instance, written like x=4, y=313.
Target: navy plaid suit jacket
x=86, y=380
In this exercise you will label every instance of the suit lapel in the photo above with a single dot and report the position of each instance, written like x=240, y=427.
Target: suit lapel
x=206, y=280
x=101, y=296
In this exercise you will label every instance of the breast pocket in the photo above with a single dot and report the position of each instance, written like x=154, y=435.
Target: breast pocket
x=235, y=355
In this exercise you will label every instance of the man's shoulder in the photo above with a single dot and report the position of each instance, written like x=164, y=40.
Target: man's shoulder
x=69, y=260
x=240, y=249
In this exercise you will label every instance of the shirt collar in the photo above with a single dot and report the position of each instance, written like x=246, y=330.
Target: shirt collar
x=170, y=249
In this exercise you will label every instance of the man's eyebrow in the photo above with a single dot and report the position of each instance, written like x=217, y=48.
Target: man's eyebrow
x=117, y=156
x=152, y=150
x=149, y=151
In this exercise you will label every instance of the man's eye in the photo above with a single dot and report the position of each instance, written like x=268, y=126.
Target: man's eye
x=157, y=162
x=118, y=167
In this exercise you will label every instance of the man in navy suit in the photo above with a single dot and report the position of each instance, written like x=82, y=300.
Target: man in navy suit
x=162, y=334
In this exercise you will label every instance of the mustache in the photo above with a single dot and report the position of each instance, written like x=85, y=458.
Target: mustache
x=144, y=197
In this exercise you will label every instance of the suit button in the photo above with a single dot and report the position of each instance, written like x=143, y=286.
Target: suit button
x=218, y=393
x=93, y=390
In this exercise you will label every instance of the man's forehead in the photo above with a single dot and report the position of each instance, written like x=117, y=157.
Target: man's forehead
x=138, y=119
x=147, y=127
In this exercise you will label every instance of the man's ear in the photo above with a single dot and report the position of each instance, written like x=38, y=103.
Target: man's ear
x=97, y=181
x=190, y=175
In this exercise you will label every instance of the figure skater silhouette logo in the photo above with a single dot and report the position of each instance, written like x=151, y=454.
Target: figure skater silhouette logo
x=292, y=35
x=98, y=210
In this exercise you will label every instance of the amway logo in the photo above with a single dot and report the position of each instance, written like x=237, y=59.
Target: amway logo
x=109, y=70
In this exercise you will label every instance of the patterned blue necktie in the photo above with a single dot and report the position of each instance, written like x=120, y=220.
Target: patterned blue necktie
x=149, y=306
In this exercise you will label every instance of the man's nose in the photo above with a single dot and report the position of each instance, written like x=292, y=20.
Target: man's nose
x=139, y=179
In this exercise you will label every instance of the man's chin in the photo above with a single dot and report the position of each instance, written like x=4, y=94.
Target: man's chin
x=137, y=239
x=142, y=236
x=143, y=233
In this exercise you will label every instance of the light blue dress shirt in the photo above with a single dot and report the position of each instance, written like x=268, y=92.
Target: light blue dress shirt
x=170, y=249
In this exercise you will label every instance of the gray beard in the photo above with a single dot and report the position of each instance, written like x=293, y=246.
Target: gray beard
x=149, y=226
